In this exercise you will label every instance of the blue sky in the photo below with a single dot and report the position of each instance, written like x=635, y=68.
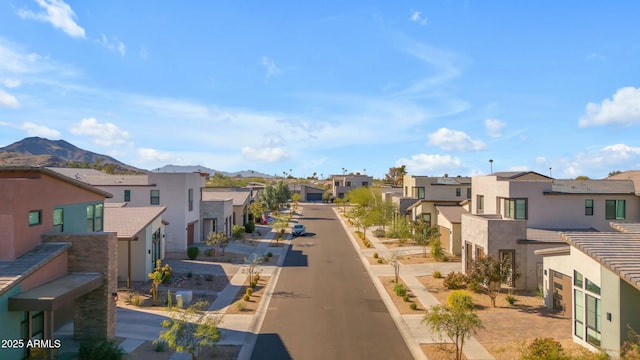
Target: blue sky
x=304, y=87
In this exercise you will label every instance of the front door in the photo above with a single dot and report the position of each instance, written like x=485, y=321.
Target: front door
x=190, y=233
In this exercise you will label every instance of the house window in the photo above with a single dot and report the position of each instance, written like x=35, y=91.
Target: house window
x=427, y=220
x=406, y=191
x=510, y=256
x=479, y=252
x=127, y=195
x=418, y=192
x=592, y=287
x=99, y=217
x=577, y=279
x=155, y=197
x=458, y=192
x=347, y=183
x=515, y=208
x=365, y=184
x=594, y=320
x=468, y=193
x=35, y=217
x=588, y=207
x=32, y=327
x=58, y=220
x=578, y=313
x=190, y=201
x=615, y=209
x=95, y=217
x=337, y=183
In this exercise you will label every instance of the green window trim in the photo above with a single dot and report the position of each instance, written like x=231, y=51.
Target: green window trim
x=35, y=217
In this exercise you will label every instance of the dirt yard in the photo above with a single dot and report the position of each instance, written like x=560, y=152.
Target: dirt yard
x=240, y=306
x=402, y=306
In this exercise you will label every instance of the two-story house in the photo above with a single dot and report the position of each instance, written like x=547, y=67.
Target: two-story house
x=439, y=203
x=55, y=258
x=180, y=193
x=342, y=184
x=515, y=214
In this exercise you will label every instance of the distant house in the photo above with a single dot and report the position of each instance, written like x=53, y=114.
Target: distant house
x=307, y=192
x=515, y=214
x=595, y=279
x=178, y=192
x=141, y=236
x=56, y=262
x=342, y=184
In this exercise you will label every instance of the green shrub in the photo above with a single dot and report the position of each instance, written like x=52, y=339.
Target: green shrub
x=544, y=349
x=246, y=297
x=135, y=299
x=375, y=255
x=241, y=305
x=192, y=252
x=253, y=284
x=159, y=347
x=208, y=252
x=100, y=349
x=378, y=233
x=511, y=299
x=249, y=227
x=437, y=275
x=413, y=306
x=270, y=254
x=189, y=274
x=405, y=298
x=460, y=299
x=380, y=261
x=249, y=291
x=256, y=278
x=399, y=289
x=455, y=280
x=265, y=259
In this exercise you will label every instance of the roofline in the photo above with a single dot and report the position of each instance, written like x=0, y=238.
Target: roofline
x=59, y=176
x=164, y=208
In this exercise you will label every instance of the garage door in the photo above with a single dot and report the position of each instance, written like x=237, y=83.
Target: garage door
x=314, y=197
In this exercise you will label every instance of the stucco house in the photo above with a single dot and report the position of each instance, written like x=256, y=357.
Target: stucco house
x=342, y=184
x=307, y=192
x=180, y=193
x=217, y=214
x=141, y=235
x=55, y=258
x=595, y=280
x=515, y=214
x=240, y=199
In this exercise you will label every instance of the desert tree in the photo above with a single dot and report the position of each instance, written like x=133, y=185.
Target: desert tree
x=394, y=261
x=216, y=239
x=251, y=266
x=458, y=319
x=490, y=272
x=256, y=209
x=191, y=330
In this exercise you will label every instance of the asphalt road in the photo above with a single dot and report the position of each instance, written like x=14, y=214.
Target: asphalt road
x=325, y=305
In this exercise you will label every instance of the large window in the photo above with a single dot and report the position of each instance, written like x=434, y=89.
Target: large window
x=35, y=217
x=458, y=192
x=515, y=208
x=427, y=220
x=480, y=204
x=58, y=220
x=155, y=197
x=95, y=217
x=365, y=184
x=418, y=192
x=347, y=183
x=127, y=195
x=588, y=207
x=587, y=310
x=615, y=209
x=190, y=199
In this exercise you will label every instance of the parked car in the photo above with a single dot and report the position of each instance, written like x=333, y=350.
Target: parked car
x=298, y=230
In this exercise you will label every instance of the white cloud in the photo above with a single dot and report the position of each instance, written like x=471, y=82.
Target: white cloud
x=266, y=154
x=105, y=134
x=540, y=160
x=417, y=17
x=620, y=152
x=114, y=45
x=57, y=13
x=40, y=130
x=424, y=163
x=623, y=109
x=148, y=155
x=494, y=127
x=270, y=66
x=11, y=83
x=596, y=57
x=8, y=100
x=453, y=140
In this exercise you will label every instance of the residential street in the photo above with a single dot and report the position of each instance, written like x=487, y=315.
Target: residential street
x=325, y=305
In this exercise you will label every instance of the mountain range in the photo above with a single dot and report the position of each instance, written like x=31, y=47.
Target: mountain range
x=37, y=151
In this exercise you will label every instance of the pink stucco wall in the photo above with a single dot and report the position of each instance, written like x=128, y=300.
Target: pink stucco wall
x=23, y=191
x=51, y=271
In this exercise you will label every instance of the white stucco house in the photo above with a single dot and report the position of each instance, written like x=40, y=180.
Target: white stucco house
x=595, y=279
x=514, y=214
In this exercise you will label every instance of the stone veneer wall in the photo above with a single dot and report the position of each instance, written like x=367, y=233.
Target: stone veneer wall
x=95, y=313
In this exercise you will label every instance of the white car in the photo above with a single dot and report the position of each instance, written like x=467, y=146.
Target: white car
x=298, y=230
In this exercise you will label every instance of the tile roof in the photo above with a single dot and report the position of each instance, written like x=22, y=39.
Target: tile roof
x=452, y=213
x=550, y=235
x=11, y=272
x=458, y=180
x=238, y=197
x=56, y=175
x=592, y=187
x=95, y=177
x=626, y=227
x=514, y=175
x=128, y=221
x=633, y=175
x=618, y=252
